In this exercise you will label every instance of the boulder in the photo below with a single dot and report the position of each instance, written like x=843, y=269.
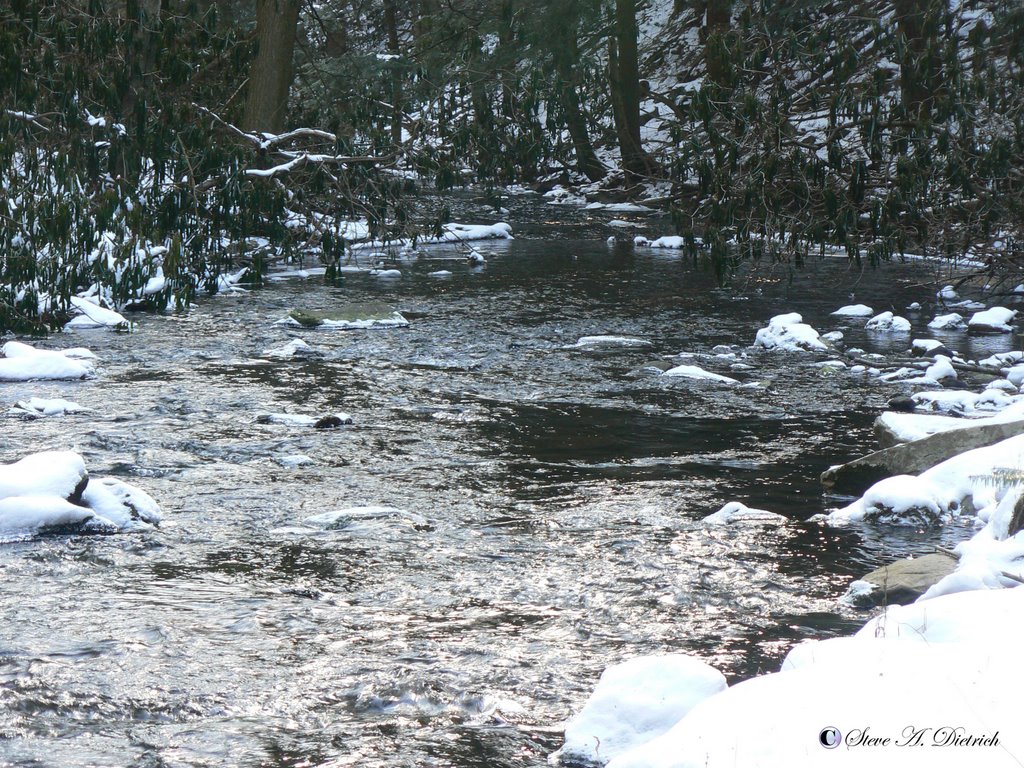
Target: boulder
x=857, y=476
x=906, y=580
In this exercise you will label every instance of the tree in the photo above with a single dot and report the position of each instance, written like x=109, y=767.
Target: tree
x=562, y=21
x=918, y=23
x=717, y=19
x=624, y=82
x=271, y=73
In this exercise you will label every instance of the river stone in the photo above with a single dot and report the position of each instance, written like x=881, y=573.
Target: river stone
x=902, y=403
x=906, y=580
x=363, y=315
x=857, y=476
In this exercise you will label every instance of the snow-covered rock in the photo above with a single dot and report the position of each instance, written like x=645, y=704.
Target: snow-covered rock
x=635, y=702
x=21, y=362
x=900, y=500
x=91, y=315
x=737, y=512
x=294, y=348
x=695, y=372
x=52, y=490
x=788, y=333
x=610, y=341
x=994, y=320
x=37, y=406
x=670, y=242
x=300, y=420
x=947, y=293
x=951, y=322
x=886, y=322
x=854, y=310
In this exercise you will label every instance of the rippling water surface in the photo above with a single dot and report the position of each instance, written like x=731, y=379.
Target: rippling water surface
x=540, y=521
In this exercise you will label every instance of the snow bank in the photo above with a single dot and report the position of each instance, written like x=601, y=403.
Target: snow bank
x=933, y=684
x=854, y=310
x=736, y=512
x=52, y=490
x=694, y=372
x=937, y=494
x=21, y=362
x=788, y=333
x=636, y=701
x=887, y=322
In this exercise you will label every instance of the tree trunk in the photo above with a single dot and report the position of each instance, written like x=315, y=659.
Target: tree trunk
x=717, y=19
x=624, y=78
x=397, y=112
x=272, y=70
x=920, y=66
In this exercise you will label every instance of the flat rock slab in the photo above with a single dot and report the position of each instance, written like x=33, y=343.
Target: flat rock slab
x=906, y=580
x=857, y=476
x=366, y=315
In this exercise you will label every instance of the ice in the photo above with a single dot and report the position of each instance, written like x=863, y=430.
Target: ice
x=854, y=310
x=294, y=348
x=788, y=333
x=636, y=701
x=37, y=406
x=694, y=372
x=610, y=341
x=737, y=512
x=886, y=322
x=300, y=420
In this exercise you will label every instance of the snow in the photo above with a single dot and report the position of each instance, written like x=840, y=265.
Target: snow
x=299, y=420
x=294, y=348
x=605, y=341
x=440, y=273
x=21, y=362
x=671, y=242
x=944, y=668
x=389, y=274
x=37, y=406
x=737, y=512
x=694, y=372
x=37, y=493
x=964, y=402
x=886, y=322
x=996, y=318
x=950, y=322
x=788, y=333
x=294, y=460
x=854, y=310
x=637, y=701
x=947, y=293
x=937, y=494
x=94, y=316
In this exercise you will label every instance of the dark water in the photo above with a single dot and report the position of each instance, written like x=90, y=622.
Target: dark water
x=550, y=502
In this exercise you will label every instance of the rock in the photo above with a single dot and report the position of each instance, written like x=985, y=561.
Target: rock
x=857, y=476
x=330, y=422
x=353, y=316
x=903, y=404
x=906, y=580
x=929, y=348
x=994, y=320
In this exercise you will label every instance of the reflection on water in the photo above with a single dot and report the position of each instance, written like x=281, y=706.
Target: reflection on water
x=546, y=505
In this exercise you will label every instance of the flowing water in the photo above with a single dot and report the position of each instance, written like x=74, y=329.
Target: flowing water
x=542, y=507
